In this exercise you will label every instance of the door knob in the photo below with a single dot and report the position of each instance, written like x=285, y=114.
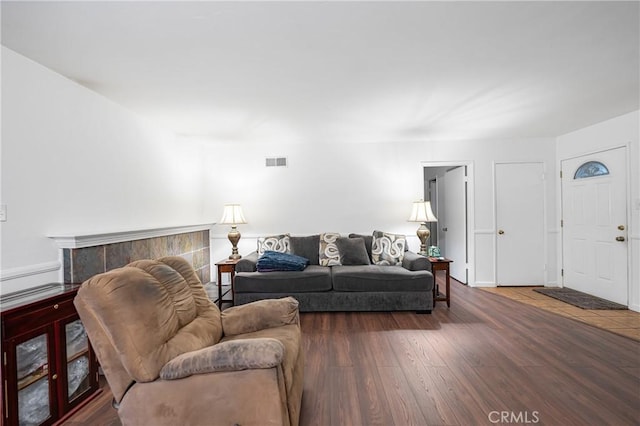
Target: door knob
x=445, y=229
x=619, y=238
x=500, y=232
x=621, y=227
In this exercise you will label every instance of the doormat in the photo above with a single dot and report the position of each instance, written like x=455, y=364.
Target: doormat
x=579, y=299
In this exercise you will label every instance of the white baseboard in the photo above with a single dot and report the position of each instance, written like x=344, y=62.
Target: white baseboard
x=483, y=284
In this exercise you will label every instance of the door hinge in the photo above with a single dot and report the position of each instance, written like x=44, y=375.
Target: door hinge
x=560, y=174
x=5, y=358
x=562, y=272
x=561, y=223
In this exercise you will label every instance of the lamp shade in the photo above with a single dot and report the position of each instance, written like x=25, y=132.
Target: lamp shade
x=422, y=212
x=232, y=215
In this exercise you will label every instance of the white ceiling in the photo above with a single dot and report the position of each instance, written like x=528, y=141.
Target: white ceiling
x=344, y=71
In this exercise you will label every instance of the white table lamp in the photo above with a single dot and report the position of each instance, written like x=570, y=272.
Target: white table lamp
x=422, y=213
x=232, y=215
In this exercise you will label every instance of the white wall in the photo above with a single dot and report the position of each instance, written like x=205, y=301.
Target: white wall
x=73, y=161
x=620, y=131
x=359, y=187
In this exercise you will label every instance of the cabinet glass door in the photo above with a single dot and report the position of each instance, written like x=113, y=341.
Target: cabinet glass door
x=78, y=367
x=32, y=357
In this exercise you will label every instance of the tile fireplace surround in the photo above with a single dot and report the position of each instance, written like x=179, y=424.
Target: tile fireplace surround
x=86, y=255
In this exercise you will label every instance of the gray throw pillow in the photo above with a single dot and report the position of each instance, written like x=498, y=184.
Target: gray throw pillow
x=306, y=247
x=352, y=251
x=368, y=239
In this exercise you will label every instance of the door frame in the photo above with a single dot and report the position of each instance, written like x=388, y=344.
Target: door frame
x=471, y=275
x=628, y=151
x=431, y=188
x=545, y=236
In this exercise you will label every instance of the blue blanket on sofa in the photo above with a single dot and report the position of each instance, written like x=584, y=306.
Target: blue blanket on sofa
x=276, y=261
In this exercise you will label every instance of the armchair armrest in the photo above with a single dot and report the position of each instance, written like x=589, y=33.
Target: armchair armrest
x=415, y=262
x=234, y=355
x=259, y=315
x=248, y=263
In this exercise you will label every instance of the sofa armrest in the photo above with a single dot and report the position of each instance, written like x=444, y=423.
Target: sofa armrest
x=234, y=355
x=415, y=262
x=259, y=315
x=248, y=263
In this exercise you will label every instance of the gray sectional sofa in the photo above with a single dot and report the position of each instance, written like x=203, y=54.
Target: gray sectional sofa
x=349, y=285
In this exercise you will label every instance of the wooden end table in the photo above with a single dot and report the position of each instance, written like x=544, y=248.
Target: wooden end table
x=441, y=264
x=225, y=266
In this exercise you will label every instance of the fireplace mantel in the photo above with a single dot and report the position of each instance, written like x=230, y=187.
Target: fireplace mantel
x=71, y=241
x=84, y=256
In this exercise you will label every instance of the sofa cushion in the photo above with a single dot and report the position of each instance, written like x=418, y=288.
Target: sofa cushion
x=329, y=254
x=273, y=242
x=313, y=278
x=371, y=278
x=308, y=247
x=352, y=251
x=387, y=248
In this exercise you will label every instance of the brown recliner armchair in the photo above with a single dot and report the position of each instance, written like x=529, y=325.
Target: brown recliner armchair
x=172, y=358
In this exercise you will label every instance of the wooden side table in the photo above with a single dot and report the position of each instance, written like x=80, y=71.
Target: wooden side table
x=225, y=266
x=441, y=264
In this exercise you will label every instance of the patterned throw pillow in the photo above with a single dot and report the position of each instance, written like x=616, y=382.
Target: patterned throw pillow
x=387, y=249
x=329, y=254
x=274, y=243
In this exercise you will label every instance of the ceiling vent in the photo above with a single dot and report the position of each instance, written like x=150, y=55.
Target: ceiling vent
x=276, y=162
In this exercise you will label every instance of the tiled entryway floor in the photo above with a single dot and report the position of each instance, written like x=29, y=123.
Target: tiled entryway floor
x=624, y=322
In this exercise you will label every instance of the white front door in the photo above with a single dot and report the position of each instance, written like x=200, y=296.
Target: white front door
x=520, y=254
x=594, y=224
x=454, y=223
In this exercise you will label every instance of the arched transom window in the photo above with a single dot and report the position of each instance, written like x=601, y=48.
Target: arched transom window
x=591, y=169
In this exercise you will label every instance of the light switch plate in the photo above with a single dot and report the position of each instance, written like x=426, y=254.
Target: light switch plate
x=3, y=212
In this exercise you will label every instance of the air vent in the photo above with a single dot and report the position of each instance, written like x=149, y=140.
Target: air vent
x=276, y=162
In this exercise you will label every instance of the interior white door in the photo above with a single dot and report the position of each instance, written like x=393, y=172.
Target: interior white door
x=594, y=230
x=454, y=224
x=520, y=258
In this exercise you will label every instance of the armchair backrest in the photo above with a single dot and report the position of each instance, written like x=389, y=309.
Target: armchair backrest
x=141, y=316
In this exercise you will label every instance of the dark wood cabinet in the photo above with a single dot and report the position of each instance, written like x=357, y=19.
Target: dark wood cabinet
x=48, y=366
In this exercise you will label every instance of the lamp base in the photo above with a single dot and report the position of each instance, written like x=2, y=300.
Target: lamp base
x=234, y=237
x=423, y=235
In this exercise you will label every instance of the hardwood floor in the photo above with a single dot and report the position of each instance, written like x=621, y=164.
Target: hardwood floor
x=624, y=321
x=486, y=360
